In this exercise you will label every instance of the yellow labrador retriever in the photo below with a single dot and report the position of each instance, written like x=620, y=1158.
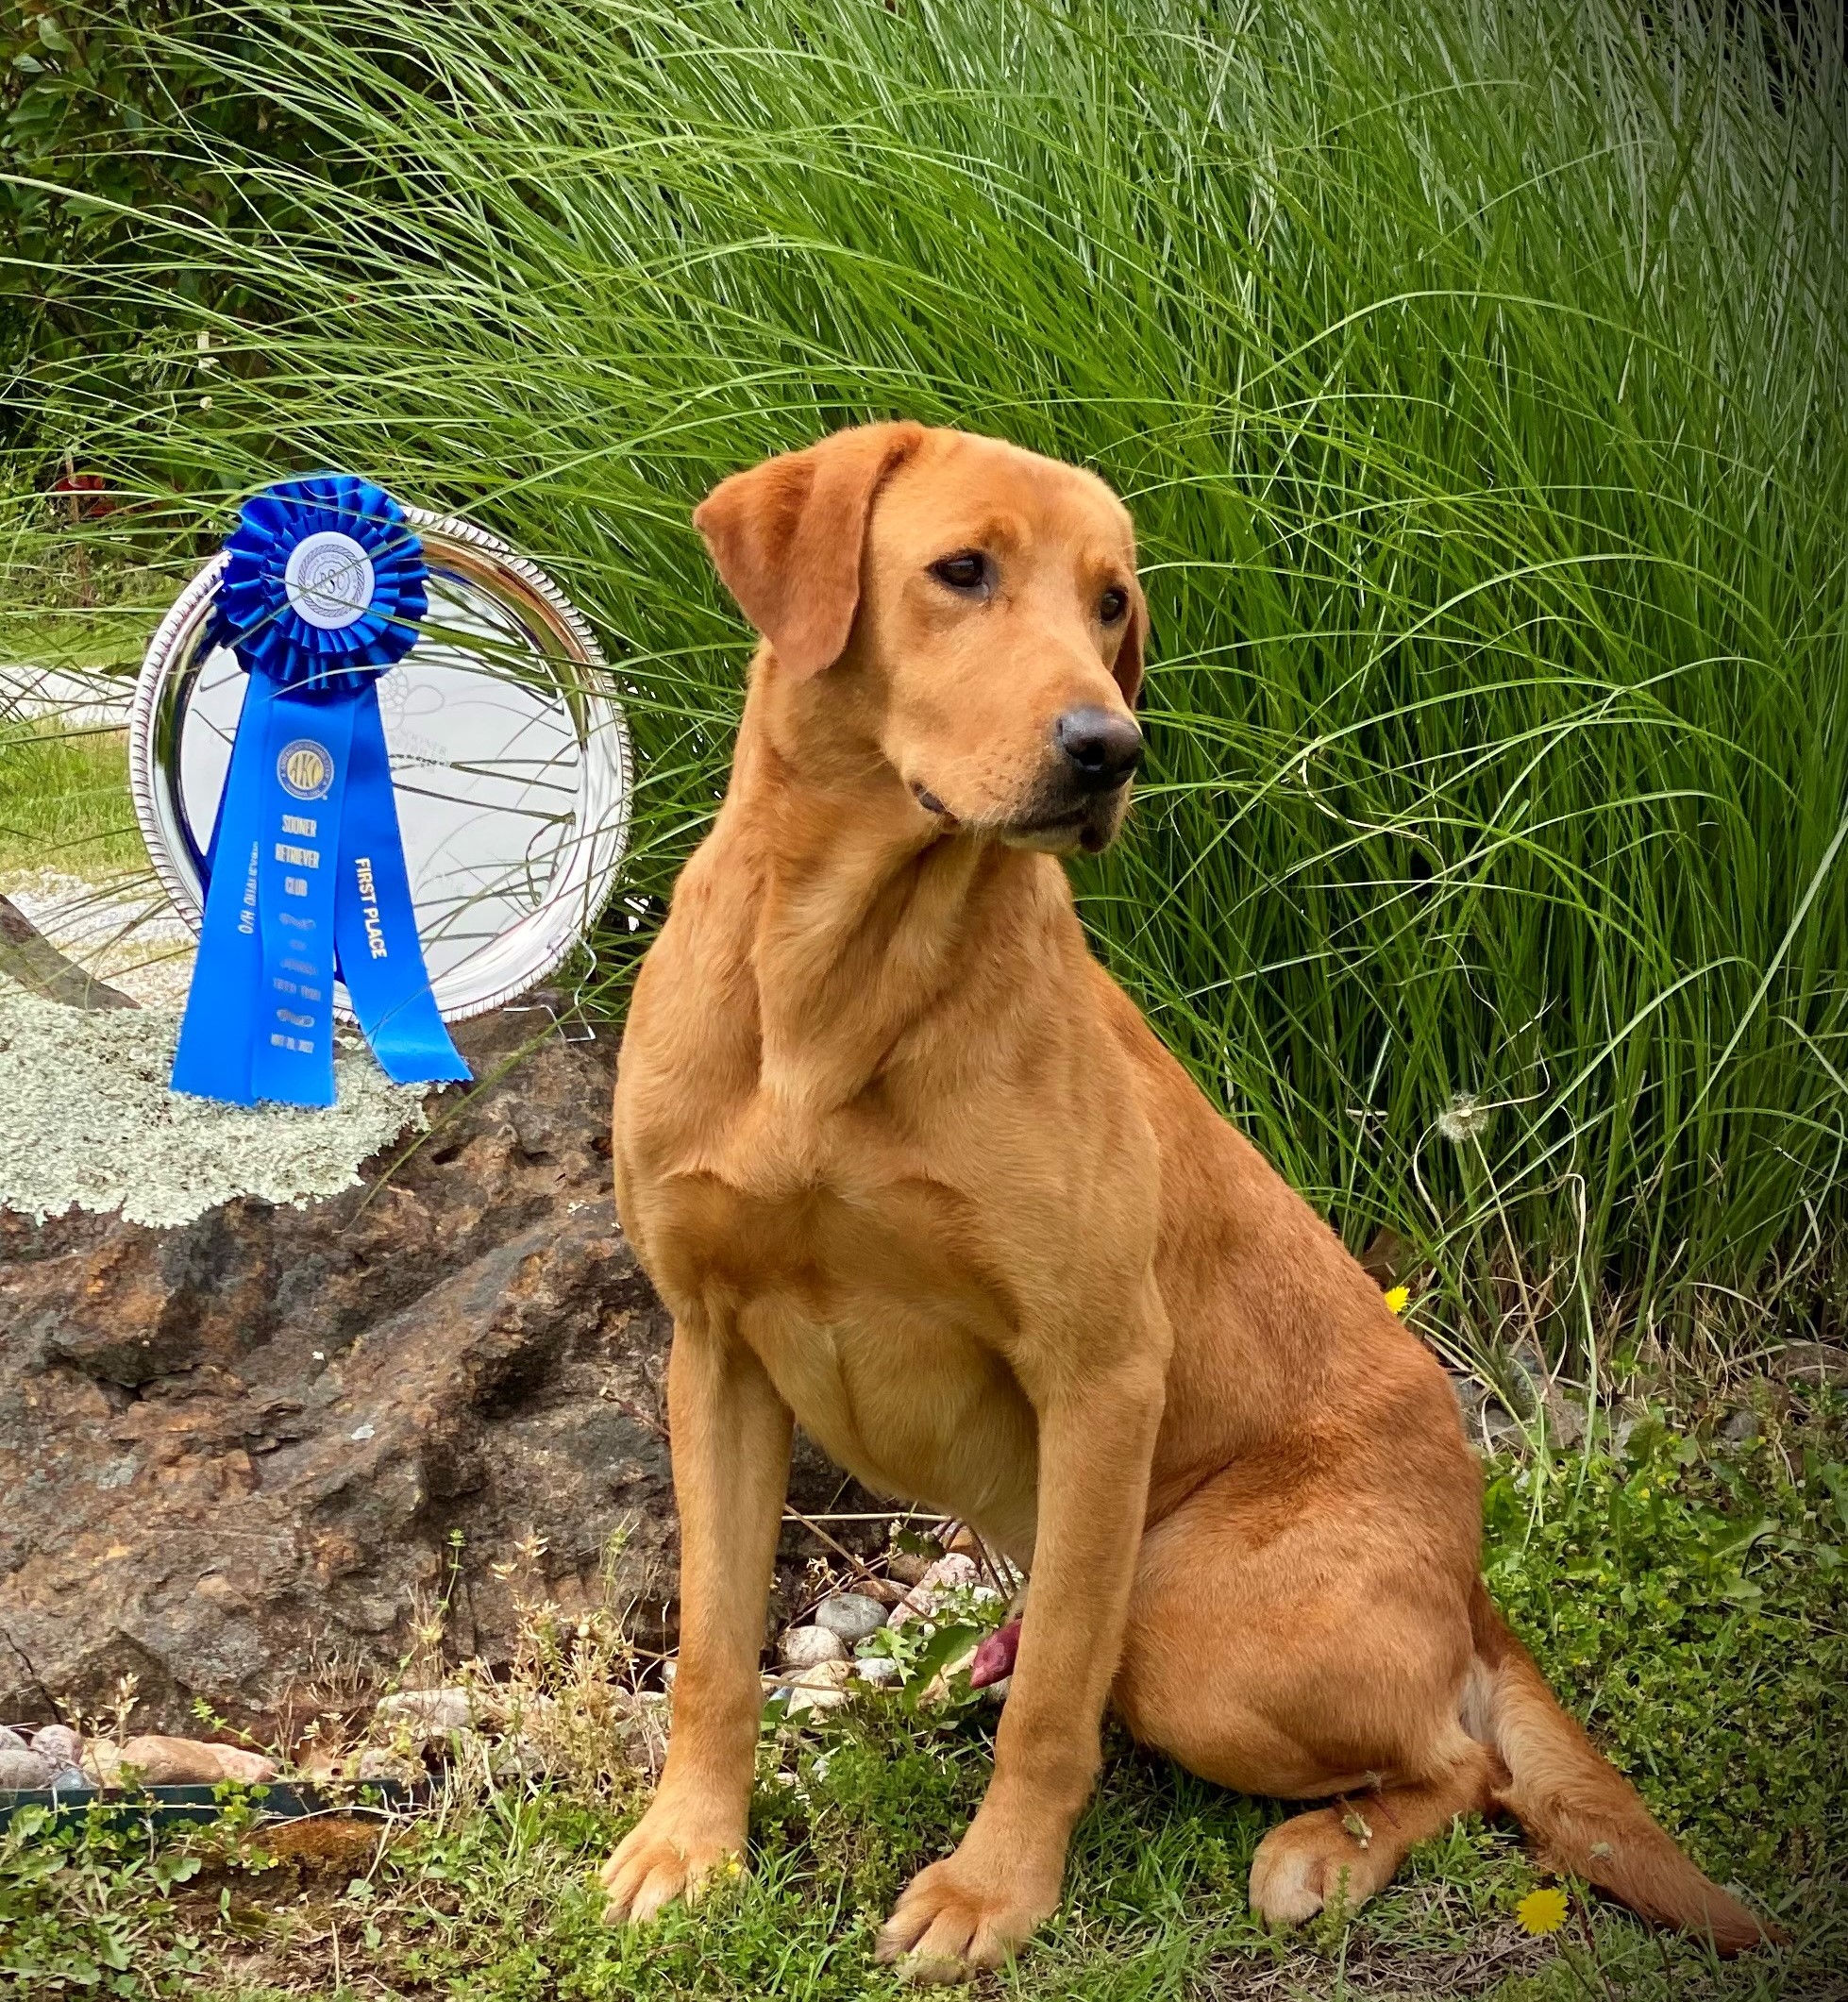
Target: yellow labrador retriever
x=909, y=1168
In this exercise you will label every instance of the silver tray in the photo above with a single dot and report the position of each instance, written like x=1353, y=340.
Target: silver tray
x=510, y=763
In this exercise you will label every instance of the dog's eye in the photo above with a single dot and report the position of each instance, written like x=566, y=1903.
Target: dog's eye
x=967, y=570
x=1113, y=604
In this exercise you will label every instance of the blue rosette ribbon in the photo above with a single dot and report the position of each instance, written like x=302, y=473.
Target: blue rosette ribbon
x=323, y=592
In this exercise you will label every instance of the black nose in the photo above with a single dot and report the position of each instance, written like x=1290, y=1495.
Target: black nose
x=1104, y=749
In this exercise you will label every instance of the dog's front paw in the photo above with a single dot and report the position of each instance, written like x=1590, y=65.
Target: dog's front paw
x=968, y=1912
x=670, y=1853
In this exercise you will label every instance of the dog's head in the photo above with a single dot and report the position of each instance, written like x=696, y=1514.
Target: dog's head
x=968, y=609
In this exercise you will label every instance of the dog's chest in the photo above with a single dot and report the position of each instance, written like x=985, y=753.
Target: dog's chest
x=866, y=1291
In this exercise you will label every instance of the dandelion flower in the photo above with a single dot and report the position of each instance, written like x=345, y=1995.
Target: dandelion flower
x=1397, y=1299
x=1541, y=1912
x=1463, y=1119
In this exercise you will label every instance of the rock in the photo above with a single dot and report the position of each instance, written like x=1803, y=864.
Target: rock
x=11, y=1742
x=66, y=1777
x=1501, y=1429
x=947, y=1574
x=1823, y=1363
x=851, y=1615
x=426, y=1713
x=159, y=1761
x=250, y=1767
x=643, y=1733
x=1529, y=1379
x=520, y=1758
x=879, y=1670
x=1565, y=1421
x=804, y=1647
x=1470, y=1398
x=236, y=1449
x=381, y=1762
x=102, y=1762
x=909, y=1566
x=1739, y=1428
x=823, y=1687
x=58, y=1742
x=22, y=1771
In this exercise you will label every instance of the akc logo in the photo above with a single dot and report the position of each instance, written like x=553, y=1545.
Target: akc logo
x=305, y=769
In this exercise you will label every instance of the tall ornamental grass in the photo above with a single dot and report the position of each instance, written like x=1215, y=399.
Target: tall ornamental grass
x=1475, y=373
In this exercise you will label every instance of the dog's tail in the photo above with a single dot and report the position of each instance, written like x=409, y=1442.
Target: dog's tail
x=1584, y=1816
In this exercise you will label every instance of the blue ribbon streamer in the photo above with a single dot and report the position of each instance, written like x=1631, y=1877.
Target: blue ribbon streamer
x=323, y=593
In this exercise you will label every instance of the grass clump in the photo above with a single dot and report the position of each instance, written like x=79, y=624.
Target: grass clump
x=1474, y=373
x=64, y=800
x=1698, y=1630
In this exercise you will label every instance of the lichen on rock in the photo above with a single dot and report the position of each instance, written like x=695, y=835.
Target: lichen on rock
x=87, y=1122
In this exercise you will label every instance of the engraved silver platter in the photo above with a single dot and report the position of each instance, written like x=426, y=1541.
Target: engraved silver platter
x=510, y=763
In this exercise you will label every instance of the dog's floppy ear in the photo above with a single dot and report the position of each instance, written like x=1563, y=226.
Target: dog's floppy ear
x=1126, y=671
x=787, y=537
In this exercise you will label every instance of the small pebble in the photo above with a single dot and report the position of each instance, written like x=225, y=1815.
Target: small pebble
x=1738, y=1429
x=824, y=1687
x=433, y=1712
x=381, y=1762
x=60, y=1743
x=1566, y=1422
x=520, y=1758
x=880, y=1670
x=803, y=1701
x=101, y=1761
x=804, y=1647
x=11, y=1740
x=237, y=1762
x=66, y=1777
x=22, y=1770
x=945, y=1573
x=822, y=1676
x=1824, y=1363
x=851, y=1615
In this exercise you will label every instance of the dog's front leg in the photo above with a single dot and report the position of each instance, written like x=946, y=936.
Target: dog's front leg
x=1097, y=1435
x=731, y=1435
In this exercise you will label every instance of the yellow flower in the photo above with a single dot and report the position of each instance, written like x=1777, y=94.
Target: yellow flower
x=1397, y=1299
x=1541, y=1912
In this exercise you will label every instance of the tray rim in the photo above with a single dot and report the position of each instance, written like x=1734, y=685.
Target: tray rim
x=156, y=670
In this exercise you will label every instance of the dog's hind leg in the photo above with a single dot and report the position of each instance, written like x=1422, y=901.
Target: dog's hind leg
x=1290, y=1638
x=1341, y=1854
